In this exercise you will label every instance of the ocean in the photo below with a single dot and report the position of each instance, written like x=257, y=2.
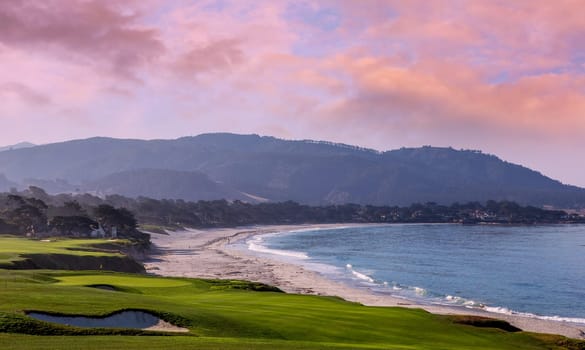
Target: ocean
x=537, y=271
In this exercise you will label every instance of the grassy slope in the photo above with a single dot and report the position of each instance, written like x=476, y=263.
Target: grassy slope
x=11, y=248
x=71, y=254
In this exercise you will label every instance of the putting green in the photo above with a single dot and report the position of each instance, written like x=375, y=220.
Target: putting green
x=121, y=281
x=11, y=248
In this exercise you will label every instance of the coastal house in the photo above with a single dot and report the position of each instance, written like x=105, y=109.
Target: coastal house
x=98, y=232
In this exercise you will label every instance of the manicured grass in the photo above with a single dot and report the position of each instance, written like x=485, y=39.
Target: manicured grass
x=220, y=314
x=12, y=248
x=122, y=281
x=17, y=342
x=223, y=317
x=67, y=254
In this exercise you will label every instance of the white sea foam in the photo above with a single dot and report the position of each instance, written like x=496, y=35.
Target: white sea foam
x=362, y=276
x=407, y=292
x=359, y=275
x=304, y=230
x=318, y=228
x=420, y=291
x=506, y=311
x=456, y=300
x=256, y=244
x=498, y=310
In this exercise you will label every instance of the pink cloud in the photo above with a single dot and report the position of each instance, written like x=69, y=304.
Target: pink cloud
x=385, y=72
x=522, y=37
x=216, y=56
x=437, y=94
x=27, y=94
x=94, y=32
x=201, y=39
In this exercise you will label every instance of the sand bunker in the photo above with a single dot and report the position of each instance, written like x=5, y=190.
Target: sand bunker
x=124, y=319
x=104, y=287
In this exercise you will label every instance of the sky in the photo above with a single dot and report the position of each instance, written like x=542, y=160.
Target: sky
x=504, y=77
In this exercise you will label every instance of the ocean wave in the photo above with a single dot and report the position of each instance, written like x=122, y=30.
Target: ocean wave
x=308, y=229
x=413, y=292
x=365, y=279
x=420, y=291
x=359, y=275
x=506, y=311
x=460, y=301
x=256, y=244
x=422, y=295
x=318, y=228
x=362, y=276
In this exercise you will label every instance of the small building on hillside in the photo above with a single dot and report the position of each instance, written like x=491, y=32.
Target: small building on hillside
x=101, y=232
x=98, y=232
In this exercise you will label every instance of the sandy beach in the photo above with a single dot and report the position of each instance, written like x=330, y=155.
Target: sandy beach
x=207, y=254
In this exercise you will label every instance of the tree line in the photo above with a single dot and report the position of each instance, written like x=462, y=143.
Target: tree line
x=33, y=212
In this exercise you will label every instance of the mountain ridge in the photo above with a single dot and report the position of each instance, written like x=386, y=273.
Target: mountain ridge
x=307, y=171
x=19, y=145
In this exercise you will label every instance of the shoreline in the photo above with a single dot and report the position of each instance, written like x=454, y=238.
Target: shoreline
x=207, y=254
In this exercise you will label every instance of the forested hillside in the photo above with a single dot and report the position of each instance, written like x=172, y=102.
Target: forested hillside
x=255, y=169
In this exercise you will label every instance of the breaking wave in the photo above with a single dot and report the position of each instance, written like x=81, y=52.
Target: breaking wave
x=256, y=244
x=506, y=311
x=368, y=276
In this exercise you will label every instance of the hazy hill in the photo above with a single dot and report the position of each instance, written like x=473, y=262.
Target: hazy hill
x=161, y=184
x=304, y=171
x=17, y=146
x=5, y=184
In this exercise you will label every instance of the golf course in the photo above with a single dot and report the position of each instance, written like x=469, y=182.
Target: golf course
x=218, y=314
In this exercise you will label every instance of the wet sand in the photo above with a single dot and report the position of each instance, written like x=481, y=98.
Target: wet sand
x=207, y=254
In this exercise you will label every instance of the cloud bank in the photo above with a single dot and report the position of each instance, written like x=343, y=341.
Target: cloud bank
x=506, y=77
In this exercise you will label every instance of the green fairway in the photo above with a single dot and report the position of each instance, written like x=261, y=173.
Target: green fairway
x=219, y=314
x=225, y=315
x=121, y=281
x=12, y=248
x=67, y=254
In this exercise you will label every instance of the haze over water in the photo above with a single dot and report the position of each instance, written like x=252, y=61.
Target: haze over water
x=537, y=270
